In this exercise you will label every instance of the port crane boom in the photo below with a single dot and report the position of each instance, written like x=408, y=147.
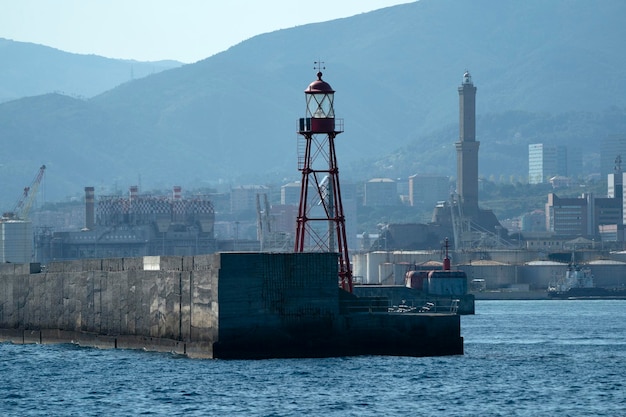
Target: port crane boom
x=24, y=203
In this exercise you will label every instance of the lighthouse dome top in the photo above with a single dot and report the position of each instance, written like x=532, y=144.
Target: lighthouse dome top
x=467, y=78
x=319, y=86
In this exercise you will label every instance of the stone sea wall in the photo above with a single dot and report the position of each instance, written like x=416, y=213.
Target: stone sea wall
x=114, y=303
x=226, y=305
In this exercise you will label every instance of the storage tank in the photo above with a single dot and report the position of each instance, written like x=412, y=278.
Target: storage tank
x=447, y=283
x=399, y=272
x=385, y=273
x=608, y=274
x=540, y=274
x=374, y=259
x=359, y=265
x=16, y=242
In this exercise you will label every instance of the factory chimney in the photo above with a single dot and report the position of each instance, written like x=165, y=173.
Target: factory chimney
x=176, y=192
x=89, y=208
x=133, y=191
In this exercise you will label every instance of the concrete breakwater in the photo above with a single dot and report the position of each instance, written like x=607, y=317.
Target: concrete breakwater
x=224, y=305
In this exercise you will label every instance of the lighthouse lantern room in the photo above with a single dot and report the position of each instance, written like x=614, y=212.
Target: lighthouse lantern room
x=320, y=106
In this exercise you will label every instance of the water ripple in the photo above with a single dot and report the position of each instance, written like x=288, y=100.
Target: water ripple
x=522, y=359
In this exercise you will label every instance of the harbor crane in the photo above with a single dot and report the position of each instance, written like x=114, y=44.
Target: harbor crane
x=24, y=203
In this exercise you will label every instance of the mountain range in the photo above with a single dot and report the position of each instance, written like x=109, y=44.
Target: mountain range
x=30, y=70
x=545, y=72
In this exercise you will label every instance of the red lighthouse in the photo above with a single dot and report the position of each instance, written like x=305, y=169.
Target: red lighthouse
x=320, y=223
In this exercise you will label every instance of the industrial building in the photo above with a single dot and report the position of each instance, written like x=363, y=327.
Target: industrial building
x=546, y=161
x=589, y=216
x=135, y=225
x=243, y=198
x=381, y=192
x=569, y=216
x=290, y=193
x=16, y=241
x=610, y=147
x=426, y=190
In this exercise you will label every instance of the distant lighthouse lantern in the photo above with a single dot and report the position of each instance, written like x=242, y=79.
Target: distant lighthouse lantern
x=467, y=78
x=320, y=113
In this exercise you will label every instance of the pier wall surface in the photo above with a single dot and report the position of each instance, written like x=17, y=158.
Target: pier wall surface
x=114, y=303
x=224, y=305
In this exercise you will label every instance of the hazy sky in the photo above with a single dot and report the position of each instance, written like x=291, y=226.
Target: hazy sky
x=149, y=30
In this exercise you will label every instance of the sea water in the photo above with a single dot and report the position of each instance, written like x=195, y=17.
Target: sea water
x=522, y=358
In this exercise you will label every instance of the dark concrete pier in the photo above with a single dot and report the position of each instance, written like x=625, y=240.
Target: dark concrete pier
x=225, y=305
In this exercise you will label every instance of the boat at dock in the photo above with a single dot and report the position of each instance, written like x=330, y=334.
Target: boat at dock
x=579, y=282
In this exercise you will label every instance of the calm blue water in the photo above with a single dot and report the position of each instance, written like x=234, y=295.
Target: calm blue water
x=526, y=358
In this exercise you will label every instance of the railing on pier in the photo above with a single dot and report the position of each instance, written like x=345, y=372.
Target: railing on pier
x=434, y=306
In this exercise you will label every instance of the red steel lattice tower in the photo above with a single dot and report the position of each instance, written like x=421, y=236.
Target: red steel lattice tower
x=320, y=225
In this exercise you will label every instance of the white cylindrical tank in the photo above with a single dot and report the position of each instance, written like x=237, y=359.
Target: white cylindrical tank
x=374, y=259
x=399, y=272
x=359, y=266
x=385, y=273
x=414, y=257
x=16, y=241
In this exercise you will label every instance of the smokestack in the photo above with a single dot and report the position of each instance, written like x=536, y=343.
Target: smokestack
x=134, y=190
x=446, y=260
x=177, y=204
x=89, y=208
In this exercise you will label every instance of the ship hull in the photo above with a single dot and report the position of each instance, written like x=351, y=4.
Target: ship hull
x=596, y=293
